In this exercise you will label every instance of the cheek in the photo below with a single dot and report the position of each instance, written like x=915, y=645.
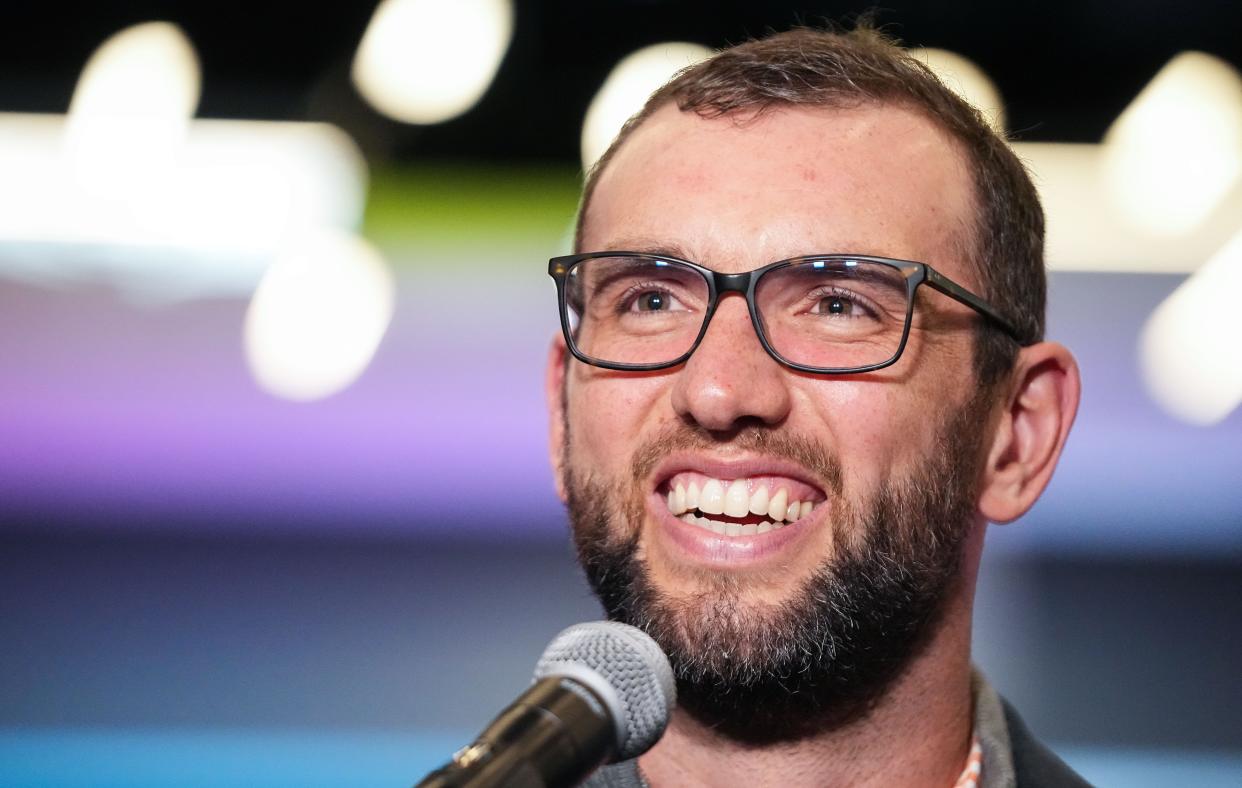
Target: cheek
x=608, y=416
x=876, y=426
x=885, y=424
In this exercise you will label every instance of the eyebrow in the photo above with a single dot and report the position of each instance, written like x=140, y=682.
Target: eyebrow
x=647, y=246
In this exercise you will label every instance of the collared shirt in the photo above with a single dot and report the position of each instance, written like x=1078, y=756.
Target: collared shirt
x=969, y=778
x=992, y=734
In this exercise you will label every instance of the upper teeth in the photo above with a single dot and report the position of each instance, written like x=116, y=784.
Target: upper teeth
x=736, y=500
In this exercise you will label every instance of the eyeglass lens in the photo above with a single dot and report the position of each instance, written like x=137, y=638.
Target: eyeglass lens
x=830, y=314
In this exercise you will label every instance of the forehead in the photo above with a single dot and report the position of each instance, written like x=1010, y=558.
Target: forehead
x=735, y=192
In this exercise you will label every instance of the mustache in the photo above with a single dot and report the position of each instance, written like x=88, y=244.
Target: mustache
x=802, y=450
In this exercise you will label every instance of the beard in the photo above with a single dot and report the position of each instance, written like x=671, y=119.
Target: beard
x=824, y=656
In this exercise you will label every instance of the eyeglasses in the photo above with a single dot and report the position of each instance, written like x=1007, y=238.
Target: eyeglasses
x=829, y=314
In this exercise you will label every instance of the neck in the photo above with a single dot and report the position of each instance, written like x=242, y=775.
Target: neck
x=918, y=734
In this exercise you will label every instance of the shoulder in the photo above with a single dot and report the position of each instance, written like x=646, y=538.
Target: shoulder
x=1034, y=765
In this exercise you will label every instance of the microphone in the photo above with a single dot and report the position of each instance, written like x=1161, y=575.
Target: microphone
x=602, y=692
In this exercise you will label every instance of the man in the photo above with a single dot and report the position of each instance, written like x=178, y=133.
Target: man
x=802, y=368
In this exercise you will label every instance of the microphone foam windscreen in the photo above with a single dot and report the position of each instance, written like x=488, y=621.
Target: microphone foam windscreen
x=626, y=668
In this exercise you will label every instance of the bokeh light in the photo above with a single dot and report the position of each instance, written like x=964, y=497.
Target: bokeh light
x=626, y=89
x=1189, y=349
x=130, y=114
x=427, y=61
x=966, y=79
x=161, y=204
x=318, y=316
x=1176, y=151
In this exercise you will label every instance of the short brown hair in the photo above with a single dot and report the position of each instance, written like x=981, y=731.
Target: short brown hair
x=828, y=68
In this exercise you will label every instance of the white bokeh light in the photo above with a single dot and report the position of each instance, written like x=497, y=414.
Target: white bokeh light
x=161, y=204
x=626, y=89
x=147, y=73
x=1190, y=350
x=1176, y=152
x=318, y=316
x=427, y=61
x=130, y=114
x=967, y=80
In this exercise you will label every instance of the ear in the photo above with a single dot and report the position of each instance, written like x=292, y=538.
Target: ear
x=554, y=384
x=1031, y=431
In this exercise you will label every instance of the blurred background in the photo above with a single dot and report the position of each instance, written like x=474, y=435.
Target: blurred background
x=274, y=499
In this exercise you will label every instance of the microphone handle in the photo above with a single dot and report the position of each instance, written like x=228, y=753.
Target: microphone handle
x=553, y=736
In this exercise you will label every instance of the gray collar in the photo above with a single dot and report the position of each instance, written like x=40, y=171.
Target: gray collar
x=993, y=734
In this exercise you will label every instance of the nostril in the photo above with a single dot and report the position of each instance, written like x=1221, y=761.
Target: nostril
x=724, y=405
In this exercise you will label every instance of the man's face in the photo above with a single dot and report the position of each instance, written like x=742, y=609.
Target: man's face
x=866, y=456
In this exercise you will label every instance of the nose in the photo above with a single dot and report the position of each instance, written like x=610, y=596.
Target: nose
x=730, y=380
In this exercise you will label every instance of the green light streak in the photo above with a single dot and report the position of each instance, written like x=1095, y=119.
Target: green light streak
x=466, y=204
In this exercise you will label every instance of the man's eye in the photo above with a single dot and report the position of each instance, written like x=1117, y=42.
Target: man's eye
x=837, y=305
x=652, y=301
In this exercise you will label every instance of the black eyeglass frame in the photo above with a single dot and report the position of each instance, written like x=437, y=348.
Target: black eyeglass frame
x=914, y=274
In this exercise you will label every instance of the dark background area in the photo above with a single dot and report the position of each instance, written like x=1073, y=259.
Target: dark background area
x=1065, y=69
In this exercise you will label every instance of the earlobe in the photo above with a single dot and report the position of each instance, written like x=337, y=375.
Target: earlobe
x=1031, y=432
x=554, y=390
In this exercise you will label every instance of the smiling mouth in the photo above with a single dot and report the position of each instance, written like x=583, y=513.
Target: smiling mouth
x=738, y=507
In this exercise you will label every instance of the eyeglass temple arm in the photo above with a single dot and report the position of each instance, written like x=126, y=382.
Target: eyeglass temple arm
x=944, y=284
